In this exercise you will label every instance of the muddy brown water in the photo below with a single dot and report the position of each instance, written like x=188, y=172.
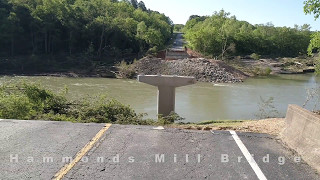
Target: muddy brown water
x=199, y=102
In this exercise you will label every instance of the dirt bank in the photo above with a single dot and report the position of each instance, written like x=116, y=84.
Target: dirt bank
x=272, y=126
x=274, y=66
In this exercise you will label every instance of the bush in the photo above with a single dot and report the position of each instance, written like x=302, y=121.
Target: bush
x=255, y=56
x=104, y=111
x=267, y=71
x=317, y=66
x=16, y=107
x=171, y=118
x=126, y=70
x=28, y=101
x=261, y=72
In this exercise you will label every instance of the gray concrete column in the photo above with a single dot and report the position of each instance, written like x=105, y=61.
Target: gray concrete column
x=166, y=100
x=166, y=89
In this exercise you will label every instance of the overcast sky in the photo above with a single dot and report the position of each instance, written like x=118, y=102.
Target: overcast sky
x=279, y=12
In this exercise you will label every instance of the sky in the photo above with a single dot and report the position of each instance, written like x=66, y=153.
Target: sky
x=279, y=12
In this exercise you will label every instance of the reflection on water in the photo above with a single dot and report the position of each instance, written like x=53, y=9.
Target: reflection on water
x=203, y=101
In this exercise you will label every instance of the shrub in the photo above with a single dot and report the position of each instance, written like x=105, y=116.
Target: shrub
x=171, y=118
x=126, y=70
x=267, y=71
x=27, y=101
x=16, y=107
x=255, y=56
x=44, y=99
x=317, y=66
x=261, y=72
x=104, y=111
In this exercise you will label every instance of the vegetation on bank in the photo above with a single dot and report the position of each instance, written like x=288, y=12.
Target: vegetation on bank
x=222, y=35
x=32, y=102
x=65, y=30
x=178, y=27
x=313, y=7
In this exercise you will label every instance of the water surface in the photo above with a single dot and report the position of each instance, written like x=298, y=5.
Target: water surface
x=199, y=102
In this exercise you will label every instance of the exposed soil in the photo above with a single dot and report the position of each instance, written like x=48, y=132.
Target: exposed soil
x=269, y=126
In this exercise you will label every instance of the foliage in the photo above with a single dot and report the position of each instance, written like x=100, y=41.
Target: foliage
x=178, y=27
x=24, y=101
x=255, y=56
x=126, y=70
x=221, y=34
x=171, y=118
x=312, y=7
x=267, y=109
x=257, y=71
x=314, y=43
x=102, y=28
x=317, y=67
x=31, y=101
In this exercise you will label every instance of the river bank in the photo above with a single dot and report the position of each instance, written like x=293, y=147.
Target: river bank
x=275, y=66
x=273, y=126
x=204, y=69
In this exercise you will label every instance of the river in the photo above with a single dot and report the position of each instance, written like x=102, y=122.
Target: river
x=199, y=102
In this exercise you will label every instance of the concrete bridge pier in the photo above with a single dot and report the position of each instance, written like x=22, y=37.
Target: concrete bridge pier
x=166, y=99
x=166, y=89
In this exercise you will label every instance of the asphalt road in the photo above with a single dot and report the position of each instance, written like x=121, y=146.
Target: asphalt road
x=141, y=152
x=179, y=42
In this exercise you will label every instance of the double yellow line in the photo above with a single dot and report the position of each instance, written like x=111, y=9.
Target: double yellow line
x=63, y=171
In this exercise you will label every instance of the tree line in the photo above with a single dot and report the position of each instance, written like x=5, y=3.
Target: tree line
x=221, y=35
x=99, y=28
x=313, y=7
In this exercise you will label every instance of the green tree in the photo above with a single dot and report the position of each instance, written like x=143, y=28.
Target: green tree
x=142, y=6
x=107, y=28
x=222, y=35
x=134, y=3
x=313, y=7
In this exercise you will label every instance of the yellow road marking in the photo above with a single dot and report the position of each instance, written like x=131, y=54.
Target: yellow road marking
x=81, y=153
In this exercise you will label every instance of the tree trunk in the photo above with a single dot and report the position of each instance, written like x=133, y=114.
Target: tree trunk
x=70, y=43
x=32, y=41
x=51, y=44
x=101, y=41
x=45, y=43
x=224, y=48
x=12, y=46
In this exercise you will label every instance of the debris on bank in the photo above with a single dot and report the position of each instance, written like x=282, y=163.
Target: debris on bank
x=204, y=70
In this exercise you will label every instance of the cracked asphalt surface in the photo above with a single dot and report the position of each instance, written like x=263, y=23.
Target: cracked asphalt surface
x=129, y=152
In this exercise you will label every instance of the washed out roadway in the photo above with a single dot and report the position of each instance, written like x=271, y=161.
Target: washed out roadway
x=129, y=152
